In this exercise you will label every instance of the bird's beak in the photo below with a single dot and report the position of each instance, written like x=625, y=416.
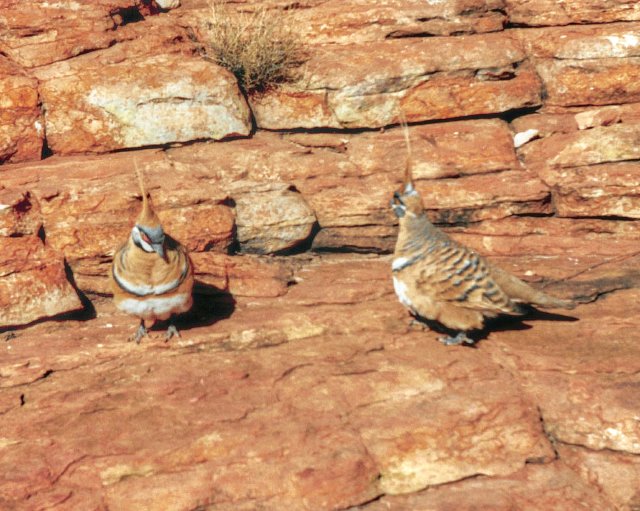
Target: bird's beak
x=159, y=249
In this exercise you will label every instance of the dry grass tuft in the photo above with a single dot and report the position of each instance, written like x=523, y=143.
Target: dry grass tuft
x=257, y=47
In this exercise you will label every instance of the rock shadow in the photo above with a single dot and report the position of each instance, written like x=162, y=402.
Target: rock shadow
x=210, y=305
x=502, y=323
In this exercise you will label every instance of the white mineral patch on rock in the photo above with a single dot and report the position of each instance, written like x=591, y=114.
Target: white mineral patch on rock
x=520, y=139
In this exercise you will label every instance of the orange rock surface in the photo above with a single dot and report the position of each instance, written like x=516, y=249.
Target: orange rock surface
x=298, y=382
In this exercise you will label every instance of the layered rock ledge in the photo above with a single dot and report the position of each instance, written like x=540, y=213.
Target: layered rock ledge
x=299, y=382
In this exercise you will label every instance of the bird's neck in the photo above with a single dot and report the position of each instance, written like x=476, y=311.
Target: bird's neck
x=417, y=232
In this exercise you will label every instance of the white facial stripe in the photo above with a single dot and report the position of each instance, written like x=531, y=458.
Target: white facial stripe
x=399, y=263
x=155, y=306
x=135, y=233
x=401, y=291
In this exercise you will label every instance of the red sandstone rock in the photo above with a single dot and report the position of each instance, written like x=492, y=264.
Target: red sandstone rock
x=603, y=190
x=359, y=21
x=19, y=213
x=33, y=282
x=37, y=33
x=240, y=275
x=21, y=121
x=527, y=236
x=615, y=40
x=351, y=21
x=587, y=158
x=591, y=82
x=609, y=144
x=565, y=402
x=348, y=179
x=324, y=396
x=550, y=12
x=616, y=475
x=89, y=213
x=271, y=218
x=568, y=120
x=591, y=65
x=140, y=103
x=584, y=376
x=366, y=85
x=234, y=412
x=534, y=488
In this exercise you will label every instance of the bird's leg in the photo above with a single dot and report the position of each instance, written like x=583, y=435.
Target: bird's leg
x=461, y=338
x=140, y=333
x=171, y=331
x=416, y=322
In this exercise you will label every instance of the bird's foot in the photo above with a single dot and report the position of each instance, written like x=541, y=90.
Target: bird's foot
x=459, y=339
x=171, y=331
x=140, y=333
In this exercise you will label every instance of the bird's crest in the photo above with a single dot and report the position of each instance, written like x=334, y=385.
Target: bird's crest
x=408, y=177
x=407, y=200
x=147, y=217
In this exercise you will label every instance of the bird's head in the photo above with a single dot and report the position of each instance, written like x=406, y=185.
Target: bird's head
x=147, y=233
x=407, y=202
x=150, y=239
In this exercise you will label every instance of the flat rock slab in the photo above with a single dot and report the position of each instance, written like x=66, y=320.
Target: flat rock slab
x=614, y=474
x=38, y=33
x=323, y=398
x=368, y=85
x=602, y=144
x=592, y=172
x=343, y=22
x=534, y=488
x=591, y=65
x=142, y=102
x=359, y=21
x=602, y=190
x=33, y=282
x=551, y=12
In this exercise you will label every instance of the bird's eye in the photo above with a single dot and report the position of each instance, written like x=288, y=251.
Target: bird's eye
x=145, y=238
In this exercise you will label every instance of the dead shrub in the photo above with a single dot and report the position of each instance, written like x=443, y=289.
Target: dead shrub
x=256, y=46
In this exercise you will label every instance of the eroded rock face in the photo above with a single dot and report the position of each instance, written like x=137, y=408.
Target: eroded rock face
x=19, y=213
x=21, y=120
x=535, y=488
x=33, y=282
x=589, y=65
x=589, y=159
x=271, y=218
x=550, y=12
x=36, y=33
x=359, y=21
x=114, y=107
x=613, y=473
x=367, y=85
x=348, y=179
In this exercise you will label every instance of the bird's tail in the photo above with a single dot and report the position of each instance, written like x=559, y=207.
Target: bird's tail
x=520, y=291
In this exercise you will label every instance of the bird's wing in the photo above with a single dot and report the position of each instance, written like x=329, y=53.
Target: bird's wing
x=460, y=276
